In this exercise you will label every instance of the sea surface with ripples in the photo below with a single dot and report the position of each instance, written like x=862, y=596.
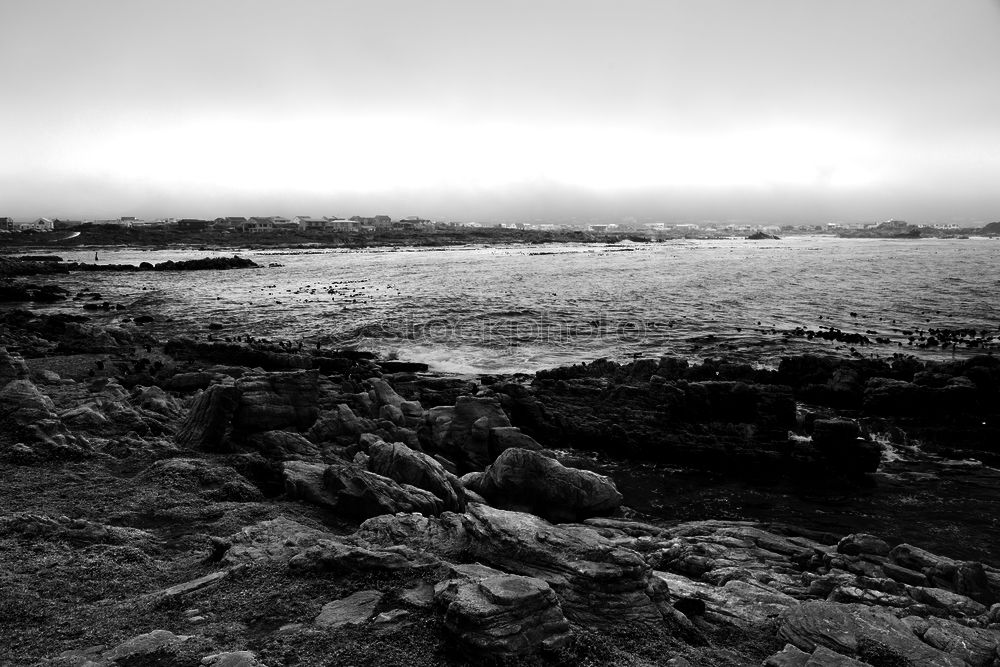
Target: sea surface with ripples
x=504, y=309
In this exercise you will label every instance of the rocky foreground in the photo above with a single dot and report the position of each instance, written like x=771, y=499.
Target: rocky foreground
x=207, y=503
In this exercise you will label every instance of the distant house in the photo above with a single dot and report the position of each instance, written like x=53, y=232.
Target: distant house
x=7, y=224
x=39, y=225
x=231, y=222
x=258, y=225
x=373, y=222
x=192, y=225
x=308, y=223
x=344, y=225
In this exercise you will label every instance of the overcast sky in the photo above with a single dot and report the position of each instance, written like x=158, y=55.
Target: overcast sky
x=782, y=110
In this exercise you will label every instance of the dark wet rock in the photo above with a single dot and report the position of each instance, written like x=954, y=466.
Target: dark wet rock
x=862, y=543
x=203, y=264
x=29, y=265
x=277, y=401
x=13, y=292
x=739, y=426
x=385, y=394
x=188, y=382
x=237, y=354
x=406, y=466
x=493, y=616
x=208, y=421
x=432, y=391
x=529, y=481
x=403, y=366
x=462, y=433
x=737, y=418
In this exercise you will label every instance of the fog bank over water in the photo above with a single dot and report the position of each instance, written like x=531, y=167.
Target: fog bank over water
x=539, y=203
x=781, y=110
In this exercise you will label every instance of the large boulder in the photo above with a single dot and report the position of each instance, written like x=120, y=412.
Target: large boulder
x=528, y=481
x=354, y=492
x=385, y=394
x=12, y=367
x=503, y=438
x=598, y=582
x=494, y=616
x=362, y=494
x=275, y=401
x=338, y=423
x=22, y=402
x=466, y=440
x=406, y=466
x=206, y=424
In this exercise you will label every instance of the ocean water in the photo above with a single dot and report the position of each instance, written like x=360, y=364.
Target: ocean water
x=506, y=309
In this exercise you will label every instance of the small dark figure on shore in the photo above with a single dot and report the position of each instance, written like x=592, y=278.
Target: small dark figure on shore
x=95, y=257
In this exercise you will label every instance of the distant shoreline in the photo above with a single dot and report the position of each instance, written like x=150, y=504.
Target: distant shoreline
x=108, y=237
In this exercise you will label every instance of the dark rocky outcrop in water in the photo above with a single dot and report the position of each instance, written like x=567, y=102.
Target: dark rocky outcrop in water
x=204, y=264
x=12, y=292
x=738, y=418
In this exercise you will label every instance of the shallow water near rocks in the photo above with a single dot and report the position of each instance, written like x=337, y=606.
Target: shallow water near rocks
x=947, y=507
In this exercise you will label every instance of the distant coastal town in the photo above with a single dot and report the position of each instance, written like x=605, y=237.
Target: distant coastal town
x=362, y=230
